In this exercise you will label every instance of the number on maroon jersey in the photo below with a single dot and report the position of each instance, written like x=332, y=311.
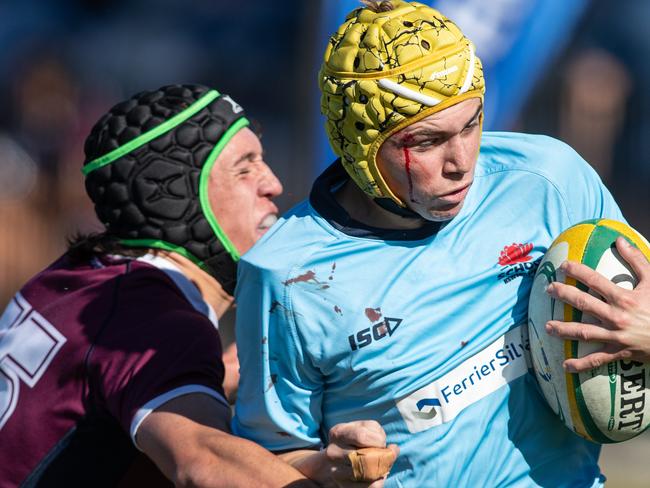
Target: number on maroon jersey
x=28, y=343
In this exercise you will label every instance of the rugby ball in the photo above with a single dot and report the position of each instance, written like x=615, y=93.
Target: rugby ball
x=610, y=403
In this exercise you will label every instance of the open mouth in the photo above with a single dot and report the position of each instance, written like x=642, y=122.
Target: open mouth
x=267, y=222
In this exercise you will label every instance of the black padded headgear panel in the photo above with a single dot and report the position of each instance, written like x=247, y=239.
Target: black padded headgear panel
x=144, y=161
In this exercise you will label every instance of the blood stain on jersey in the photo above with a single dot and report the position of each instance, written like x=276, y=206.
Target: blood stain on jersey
x=303, y=278
x=306, y=278
x=331, y=276
x=373, y=314
x=463, y=343
x=338, y=310
x=265, y=340
x=283, y=434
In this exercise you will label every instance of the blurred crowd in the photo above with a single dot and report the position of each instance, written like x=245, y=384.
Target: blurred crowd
x=68, y=61
x=595, y=98
x=71, y=60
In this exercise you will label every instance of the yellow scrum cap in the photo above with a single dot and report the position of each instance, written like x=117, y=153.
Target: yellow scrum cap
x=386, y=69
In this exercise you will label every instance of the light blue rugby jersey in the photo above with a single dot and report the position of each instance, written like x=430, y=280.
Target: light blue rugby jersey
x=419, y=330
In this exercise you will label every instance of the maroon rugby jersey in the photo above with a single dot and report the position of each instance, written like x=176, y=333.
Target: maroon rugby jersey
x=86, y=351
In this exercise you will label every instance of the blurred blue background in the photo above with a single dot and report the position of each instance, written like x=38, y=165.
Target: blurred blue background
x=576, y=70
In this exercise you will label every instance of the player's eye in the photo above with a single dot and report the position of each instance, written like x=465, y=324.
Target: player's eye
x=473, y=124
x=427, y=142
x=469, y=130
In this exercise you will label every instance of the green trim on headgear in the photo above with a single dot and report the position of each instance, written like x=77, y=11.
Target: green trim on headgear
x=148, y=136
x=203, y=187
x=166, y=246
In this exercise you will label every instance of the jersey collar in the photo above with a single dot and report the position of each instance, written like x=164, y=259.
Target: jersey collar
x=323, y=201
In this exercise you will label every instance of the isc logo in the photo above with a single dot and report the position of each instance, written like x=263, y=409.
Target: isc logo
x=378, y=331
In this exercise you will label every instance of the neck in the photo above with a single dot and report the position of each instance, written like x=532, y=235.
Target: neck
x=363, y=209
x=210, y=289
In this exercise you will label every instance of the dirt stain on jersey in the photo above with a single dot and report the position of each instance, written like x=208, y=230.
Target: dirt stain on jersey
x=272, y=381
x=275, y=305
x=338, y=310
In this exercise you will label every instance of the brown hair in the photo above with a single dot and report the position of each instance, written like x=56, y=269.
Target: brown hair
x=82, y=247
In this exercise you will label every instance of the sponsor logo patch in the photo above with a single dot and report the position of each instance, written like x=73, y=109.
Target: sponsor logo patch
x=487, y=371
x=383, y=329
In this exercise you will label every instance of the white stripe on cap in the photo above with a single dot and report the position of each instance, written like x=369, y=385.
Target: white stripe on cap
x=402, y=91
x=470, y=71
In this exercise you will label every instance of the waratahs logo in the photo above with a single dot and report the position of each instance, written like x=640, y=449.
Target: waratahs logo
x=515, y=253
x=517, y=261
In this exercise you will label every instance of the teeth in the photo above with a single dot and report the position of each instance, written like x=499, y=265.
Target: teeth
x=268, y=221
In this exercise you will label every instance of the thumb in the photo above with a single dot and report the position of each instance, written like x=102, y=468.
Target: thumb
x=372, y=463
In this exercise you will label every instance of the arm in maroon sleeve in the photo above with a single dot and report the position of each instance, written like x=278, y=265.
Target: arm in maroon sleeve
x=156, y=367
x=187, y=438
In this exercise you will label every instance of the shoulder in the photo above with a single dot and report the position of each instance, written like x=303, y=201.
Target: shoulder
x=546, y=170
x=153, y=322
x=150, y=297
x=95, y=292
x=533, y=154
x=154, y=305
x=144, y=283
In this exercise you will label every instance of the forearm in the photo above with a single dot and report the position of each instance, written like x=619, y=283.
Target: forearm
x=313, y=464
x=342, y=464
x=186, y=439
x=223, y=460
